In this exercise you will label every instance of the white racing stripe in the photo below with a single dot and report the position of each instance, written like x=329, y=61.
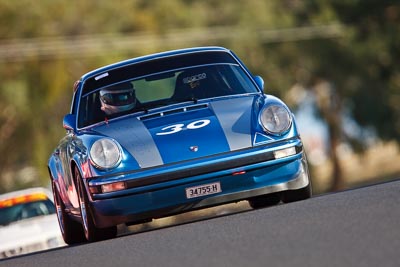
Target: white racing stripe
x=234, y=115
x=133, y=135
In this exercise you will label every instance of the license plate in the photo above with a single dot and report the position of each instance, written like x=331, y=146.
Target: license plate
x=203, y=190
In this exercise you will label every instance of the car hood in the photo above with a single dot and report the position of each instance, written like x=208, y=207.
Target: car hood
x=29, y=231
x=187, y=132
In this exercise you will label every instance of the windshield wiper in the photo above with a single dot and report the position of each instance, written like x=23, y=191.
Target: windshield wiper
x=189, y=99
x=145, y=109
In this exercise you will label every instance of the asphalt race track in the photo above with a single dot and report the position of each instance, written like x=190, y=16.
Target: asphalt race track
x=358, y=227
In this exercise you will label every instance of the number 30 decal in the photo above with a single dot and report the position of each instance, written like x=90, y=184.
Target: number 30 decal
x=180, y=126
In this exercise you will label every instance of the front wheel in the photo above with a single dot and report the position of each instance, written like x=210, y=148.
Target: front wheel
x=71, y=230
x=92, y=233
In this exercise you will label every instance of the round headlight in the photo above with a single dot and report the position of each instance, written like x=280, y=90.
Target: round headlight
x=105, y=153
x=275, y=119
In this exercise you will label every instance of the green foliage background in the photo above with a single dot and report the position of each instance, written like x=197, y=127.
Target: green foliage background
x=360, y=61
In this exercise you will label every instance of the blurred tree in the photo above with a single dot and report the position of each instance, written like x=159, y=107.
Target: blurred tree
x=358, y=71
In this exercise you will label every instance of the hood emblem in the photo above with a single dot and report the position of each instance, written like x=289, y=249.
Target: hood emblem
x=194, y=148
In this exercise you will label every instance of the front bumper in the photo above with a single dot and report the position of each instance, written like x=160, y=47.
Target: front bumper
x=241, y=174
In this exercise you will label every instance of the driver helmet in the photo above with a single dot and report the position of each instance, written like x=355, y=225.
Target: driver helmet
x=117, y=98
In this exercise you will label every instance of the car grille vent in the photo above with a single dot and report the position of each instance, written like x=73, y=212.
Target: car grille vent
x=172, y=111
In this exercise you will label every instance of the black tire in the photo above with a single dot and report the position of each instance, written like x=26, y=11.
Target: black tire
x=91, y=232
x=71, y=230
x=297, y=195
x=264, y=200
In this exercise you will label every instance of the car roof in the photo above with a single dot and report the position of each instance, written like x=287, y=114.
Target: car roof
x=28, y=191
x=154, y=56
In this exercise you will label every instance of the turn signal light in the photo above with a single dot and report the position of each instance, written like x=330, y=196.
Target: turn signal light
x=285, y=152
x=107, y=188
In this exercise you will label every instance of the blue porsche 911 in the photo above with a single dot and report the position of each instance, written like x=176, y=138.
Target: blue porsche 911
x=172, y=132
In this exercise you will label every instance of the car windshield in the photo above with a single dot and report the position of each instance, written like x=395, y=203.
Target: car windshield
x=163, y=89
x=22, y=211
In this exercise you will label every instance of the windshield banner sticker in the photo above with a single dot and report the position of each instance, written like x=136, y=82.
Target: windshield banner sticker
x=194, y=78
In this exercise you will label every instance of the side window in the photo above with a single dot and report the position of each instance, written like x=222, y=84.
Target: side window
x=74, y=105
x=89, y=110
x=83, y=112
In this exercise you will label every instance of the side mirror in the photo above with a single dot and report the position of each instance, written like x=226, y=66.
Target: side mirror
x=259, y=81
x=69, y=122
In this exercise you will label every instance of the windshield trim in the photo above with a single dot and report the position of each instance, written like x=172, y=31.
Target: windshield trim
x=158, y=73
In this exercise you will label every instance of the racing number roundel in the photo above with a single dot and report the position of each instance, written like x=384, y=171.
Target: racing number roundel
x=171, y=129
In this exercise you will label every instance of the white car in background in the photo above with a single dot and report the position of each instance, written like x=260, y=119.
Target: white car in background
x=28, y=222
